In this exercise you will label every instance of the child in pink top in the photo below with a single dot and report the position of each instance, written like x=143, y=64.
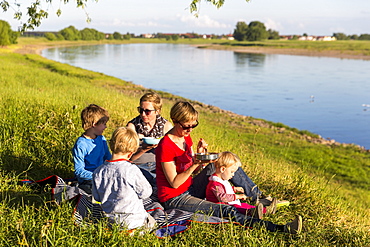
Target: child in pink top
x=219, y=189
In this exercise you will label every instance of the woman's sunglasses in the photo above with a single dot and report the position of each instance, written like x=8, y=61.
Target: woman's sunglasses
x=141, y=110
x=189, y=127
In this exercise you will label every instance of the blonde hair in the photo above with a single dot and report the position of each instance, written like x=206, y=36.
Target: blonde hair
x=93, y=114
x=153, y=98
x=124, y=140
x=183, y=111
x=227, y=159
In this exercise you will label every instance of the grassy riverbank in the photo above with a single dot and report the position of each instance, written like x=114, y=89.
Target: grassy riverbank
x=40, y=105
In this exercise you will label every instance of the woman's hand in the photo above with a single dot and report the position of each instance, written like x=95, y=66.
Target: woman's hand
x=202, y=146
x=145, y=147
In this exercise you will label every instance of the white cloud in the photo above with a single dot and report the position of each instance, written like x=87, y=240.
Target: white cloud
x=270, y=24
x=203, y=21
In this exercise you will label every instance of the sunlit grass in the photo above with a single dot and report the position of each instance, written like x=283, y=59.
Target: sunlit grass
x=41, y=101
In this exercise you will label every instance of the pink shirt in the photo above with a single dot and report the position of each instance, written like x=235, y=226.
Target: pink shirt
x=219, y=190
x=168, y=151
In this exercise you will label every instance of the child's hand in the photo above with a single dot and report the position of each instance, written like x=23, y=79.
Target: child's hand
x=238, y=189
x=241, y=196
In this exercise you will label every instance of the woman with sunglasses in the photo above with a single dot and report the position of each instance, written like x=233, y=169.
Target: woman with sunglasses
x=149, y=123
x=175, y=165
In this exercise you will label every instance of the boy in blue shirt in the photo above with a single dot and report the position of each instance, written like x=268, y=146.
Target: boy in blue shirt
x=91, y=149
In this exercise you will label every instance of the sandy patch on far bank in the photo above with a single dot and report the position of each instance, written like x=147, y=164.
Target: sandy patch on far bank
x=285, y=51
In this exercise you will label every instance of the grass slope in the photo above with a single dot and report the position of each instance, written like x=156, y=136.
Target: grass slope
x=41, y=101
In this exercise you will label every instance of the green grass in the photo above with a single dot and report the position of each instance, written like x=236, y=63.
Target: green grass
x=41, y=101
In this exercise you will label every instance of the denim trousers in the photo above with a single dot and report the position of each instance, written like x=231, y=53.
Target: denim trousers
x=189, y=203
x=240, y=179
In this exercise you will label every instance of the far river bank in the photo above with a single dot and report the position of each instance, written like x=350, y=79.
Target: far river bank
x=37, y=47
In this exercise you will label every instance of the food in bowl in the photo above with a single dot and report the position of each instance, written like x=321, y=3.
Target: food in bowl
x=151, y=140
x=206, y=156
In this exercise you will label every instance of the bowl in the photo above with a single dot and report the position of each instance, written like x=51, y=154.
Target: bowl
x=151, y=140
x=206, y=156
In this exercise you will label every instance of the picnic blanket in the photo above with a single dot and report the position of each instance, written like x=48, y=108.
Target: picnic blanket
x=168, y=222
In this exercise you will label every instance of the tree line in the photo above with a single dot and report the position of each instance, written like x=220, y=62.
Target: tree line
x=342, y=36
x=71, y=33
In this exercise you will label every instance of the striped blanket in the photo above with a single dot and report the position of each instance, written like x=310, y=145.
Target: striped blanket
x=168, y=222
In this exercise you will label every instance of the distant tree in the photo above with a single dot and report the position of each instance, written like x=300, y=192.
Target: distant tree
x=7, y=35
x=160, y=36
x=240, y=32
x=174, y=37
x=305, y=35
x=87, y=34
x=59, y=36
x=117, y=35
x=50, y=36
x=354, y=37
x=364, y=36
x=272, y=34
x=127, y=36
x=340, y=36
x=256, y=31
x=91, y=34
x=110, y=36
x=70, y=33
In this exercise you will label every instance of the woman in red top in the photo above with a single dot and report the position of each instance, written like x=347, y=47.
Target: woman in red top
x=175, y=164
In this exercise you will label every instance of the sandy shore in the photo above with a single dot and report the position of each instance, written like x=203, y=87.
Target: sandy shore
x=296, y=52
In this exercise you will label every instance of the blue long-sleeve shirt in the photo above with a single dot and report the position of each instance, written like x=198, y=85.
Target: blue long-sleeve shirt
x=89, y=154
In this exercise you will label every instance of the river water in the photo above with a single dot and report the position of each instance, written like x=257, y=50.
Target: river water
x=326, y=96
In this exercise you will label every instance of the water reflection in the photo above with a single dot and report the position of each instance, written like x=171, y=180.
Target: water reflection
x=251, y=59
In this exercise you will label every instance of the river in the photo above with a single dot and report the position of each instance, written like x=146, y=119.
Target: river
x=326, y=96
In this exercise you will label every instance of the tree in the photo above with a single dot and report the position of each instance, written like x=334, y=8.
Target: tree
x=253, y=32
x=36, y=13
x=117, y=35
x=50, y=36
x=7, y=36
x=240, y=32
x=174, y=37
x=127, y=36
x=70, y=33
x=272, y=34
x=256, y=31
x=364, y=36
x=340, y=36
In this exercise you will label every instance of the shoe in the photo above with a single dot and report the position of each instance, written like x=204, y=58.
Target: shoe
x=294, y=227
x=266, y=201
x=271, y=209
x=257, y=212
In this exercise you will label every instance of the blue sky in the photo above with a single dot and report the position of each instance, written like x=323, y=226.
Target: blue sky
x=314, y=17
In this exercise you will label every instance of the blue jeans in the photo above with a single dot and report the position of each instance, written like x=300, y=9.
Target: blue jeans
x=148, y=170
x=240, y=179
x=189, y=203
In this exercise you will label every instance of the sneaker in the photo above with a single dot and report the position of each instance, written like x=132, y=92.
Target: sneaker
x=271, y=209
x=294, y=227
x=256, y=212
x=266, y=201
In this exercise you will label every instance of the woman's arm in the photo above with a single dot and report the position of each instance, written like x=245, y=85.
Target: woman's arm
x=177, y=179
x=143, y=148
